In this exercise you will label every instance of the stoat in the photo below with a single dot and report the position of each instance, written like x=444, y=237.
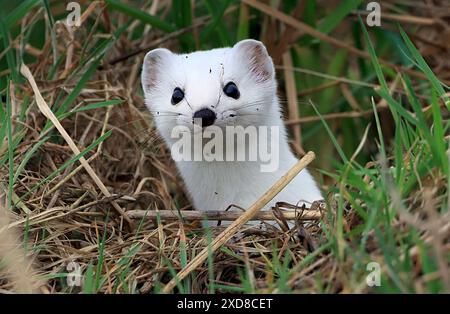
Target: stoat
x=223, y=88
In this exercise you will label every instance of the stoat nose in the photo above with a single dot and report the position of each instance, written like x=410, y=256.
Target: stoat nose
x=206, y=115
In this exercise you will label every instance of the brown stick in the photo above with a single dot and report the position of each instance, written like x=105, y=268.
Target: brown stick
x=291, y=94
x=300, y=214
x=331, y=116
x=402, y=18
x=235, y=225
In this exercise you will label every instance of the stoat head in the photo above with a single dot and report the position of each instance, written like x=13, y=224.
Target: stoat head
x=226, y=86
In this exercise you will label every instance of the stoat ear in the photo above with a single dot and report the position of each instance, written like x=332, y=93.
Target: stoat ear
x=154, y=62
x=254, y=53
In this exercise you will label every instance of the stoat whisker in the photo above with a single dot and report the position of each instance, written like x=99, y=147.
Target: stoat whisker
x=254, y=114
x=167, y=114
x=158, y=111
x=249, y=105
x=218, y=100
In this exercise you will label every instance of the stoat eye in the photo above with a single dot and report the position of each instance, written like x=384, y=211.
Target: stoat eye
x=231, y=90
x=177, y=96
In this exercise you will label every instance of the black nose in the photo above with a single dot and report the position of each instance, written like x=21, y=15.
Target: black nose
x=206, y=115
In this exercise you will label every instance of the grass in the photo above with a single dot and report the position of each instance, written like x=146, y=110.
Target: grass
x=386, y=174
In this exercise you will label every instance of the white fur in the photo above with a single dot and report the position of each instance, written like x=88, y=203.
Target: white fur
x=216, y=185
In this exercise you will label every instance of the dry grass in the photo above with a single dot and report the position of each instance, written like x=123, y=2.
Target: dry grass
x=18, y=266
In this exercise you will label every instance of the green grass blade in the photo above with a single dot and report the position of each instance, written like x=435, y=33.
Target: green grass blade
x=243, y=23
x=10, y=147
x=331, y=21
x=332, y=137
x=92, y=106
x=10, y=55
x=374, y=58
x=216, y=24
x=425, y=68
x=88, y=283
x=28, y=156
x=18, y=13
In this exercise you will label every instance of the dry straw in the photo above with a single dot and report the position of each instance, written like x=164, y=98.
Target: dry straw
x=45, y=109
x=16, y=264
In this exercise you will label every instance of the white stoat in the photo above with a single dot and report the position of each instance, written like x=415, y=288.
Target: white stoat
x=223, y=87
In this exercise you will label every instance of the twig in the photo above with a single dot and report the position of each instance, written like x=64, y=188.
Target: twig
x=235, y=225
x=221, y=215
x=402, y=18
x=332, y=116
x=152, y=44
x=291, y=94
